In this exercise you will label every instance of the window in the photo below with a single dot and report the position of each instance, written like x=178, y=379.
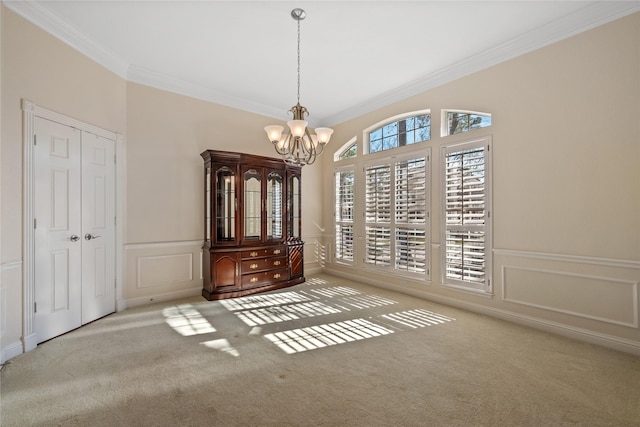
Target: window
x=397, y=214
x=466, y=212
x=407, y=131
x=458, y=121
x=344, y=213
x=350, y=152
x=347, y=151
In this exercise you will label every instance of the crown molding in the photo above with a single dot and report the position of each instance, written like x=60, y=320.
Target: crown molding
x=588, y=18
x=594, y=15
x=161, y=81
x=43, y=18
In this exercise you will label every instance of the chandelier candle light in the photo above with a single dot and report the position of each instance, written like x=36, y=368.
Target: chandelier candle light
x=300, y=146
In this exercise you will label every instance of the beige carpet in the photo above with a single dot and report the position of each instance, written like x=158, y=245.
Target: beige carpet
x=329, y=352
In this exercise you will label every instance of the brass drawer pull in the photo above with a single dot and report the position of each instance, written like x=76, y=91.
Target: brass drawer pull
x=253, y=279
x=253, y=254
x=253, y=266
x=276, y=276
x=276, y=251
x=276, y=262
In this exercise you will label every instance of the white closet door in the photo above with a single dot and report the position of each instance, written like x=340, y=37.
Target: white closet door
x=98, y=227
x=58, y=229
x=74, y=209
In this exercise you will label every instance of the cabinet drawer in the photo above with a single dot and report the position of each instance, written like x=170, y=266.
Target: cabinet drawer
x=255, y=279
x=263, y=252
x=261, y=264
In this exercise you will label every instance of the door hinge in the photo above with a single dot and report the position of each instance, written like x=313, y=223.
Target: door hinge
x=35, y=223
x=35, y=307
x=115, y=221
x=35, y=142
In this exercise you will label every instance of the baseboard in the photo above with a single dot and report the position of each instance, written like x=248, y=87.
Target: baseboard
x=592, y=337
x=11, y=351
x=313, y=270
x=135, y=302
x=121, y=305
x=30, y=342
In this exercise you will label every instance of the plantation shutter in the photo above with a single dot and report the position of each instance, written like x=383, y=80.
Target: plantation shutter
x=397, y=214
x=466, y=213
x=378, y=215
x=344, y=212
x=410, y=215
x=410, y=194
x=378, y=200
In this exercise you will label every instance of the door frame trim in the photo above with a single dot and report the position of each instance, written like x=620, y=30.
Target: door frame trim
x=29, y=113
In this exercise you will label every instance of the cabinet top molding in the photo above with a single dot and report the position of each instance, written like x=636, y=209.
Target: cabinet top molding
x=244, y=158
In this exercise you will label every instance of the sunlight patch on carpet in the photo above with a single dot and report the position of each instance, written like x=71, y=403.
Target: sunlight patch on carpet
x=335, y=291
x=315, y=281
x=257, y=301
x=283, y=313
x=418, y=318
x=367, y=301
x=222, y=345
x=186, y=320
x=320, y=336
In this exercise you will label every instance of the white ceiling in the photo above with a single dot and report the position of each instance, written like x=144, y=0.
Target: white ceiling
x=356, y=56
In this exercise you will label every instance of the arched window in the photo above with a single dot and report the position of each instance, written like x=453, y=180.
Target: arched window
x=347, y=151
x=399, y=131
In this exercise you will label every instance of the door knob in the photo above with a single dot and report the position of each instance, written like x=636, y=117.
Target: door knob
x=73, y=238
x=89, y=236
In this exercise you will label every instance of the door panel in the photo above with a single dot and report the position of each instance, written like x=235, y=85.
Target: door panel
x=98, y=227
x=58, y=247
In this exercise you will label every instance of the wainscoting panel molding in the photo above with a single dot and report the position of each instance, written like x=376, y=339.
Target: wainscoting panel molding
x=590, y=293
x=314, y=254
x=605, y=299
x=162, y=271
x=10, y=332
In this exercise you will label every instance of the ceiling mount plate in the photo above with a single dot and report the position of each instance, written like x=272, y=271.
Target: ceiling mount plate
x=298, y=14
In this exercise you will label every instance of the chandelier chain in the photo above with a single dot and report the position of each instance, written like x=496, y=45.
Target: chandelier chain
x=298, y=61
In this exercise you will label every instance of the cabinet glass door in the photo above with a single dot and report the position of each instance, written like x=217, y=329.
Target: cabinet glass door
x=225, y=205
x=207, y=204
x=275, y=198
x=252, y=205
x=294, y=207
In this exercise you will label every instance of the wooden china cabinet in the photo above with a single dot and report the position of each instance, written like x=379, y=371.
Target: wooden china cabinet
x=252, y=225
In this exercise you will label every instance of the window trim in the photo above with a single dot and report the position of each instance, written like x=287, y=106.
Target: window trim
x=366, y=132
x=417, y=152
x=487, y=287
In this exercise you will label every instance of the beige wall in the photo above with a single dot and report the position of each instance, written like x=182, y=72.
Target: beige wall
x=566, y=183
x=571, y=191
x=39, y=68
x=165, y=135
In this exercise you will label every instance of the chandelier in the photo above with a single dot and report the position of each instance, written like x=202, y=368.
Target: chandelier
x=299, y=146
